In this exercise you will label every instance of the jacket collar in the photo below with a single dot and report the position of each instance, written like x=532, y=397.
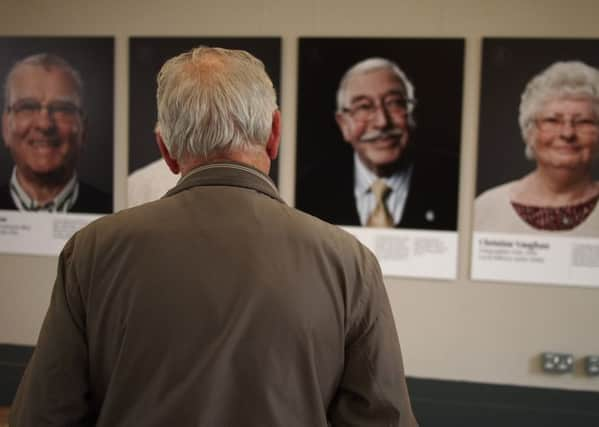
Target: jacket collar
x=227, y=174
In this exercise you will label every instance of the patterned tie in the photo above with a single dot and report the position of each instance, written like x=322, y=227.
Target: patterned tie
x=380, y=216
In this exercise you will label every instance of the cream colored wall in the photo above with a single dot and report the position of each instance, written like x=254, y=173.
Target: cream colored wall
x=459, y=330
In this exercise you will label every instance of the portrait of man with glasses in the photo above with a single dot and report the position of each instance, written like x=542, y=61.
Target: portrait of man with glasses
x=381, y=175
x=44, y=128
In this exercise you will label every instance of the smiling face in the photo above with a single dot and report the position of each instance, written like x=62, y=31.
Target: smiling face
x=566, y=135
x=375, y=119
x=43, y=142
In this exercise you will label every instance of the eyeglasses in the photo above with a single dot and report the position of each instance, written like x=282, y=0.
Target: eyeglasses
x=27, y=110
x=365, y=110
x=582, y=126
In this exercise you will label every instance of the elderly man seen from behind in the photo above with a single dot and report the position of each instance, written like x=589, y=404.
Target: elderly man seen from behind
x=44, y=129
x=383, y=177
x=217, y=305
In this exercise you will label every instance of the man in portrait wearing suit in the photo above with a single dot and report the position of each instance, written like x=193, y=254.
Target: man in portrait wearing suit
x=43, y=127
x=382, y=177
x=217, y=305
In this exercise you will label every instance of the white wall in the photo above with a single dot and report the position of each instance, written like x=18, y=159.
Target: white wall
x=460, y=330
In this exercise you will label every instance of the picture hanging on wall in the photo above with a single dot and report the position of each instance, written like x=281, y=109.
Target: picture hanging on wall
x=56, y=164
x=149, y=177
x=378, y=143
x=535, y=213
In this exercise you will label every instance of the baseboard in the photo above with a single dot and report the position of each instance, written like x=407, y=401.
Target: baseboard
x=436, y=402
x=13, y=359
x=464, y=404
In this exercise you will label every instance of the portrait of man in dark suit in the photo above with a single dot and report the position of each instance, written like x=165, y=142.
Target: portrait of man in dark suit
x=43, y=127
x=57, y=155
x=381, y=174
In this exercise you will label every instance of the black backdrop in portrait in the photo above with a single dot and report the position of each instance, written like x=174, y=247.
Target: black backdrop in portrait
x=507, y=66
x=148, y=54
x=93, y=57
x=434, y=66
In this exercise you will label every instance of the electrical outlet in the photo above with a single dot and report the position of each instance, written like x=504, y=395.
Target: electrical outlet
x=558, y=363
x=591, y=365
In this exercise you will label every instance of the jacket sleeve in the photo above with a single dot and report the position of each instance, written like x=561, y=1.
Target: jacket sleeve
x=373, y=390
x=54, y=389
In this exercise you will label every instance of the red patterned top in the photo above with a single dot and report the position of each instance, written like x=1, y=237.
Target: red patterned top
x=556, y=219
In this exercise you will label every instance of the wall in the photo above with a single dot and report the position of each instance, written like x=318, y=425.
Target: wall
x=460, y=330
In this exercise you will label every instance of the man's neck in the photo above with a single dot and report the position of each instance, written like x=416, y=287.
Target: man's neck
x=388, y=170
x=42, y=189
x=258, y=160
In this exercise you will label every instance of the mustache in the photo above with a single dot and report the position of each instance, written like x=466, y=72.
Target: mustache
x=375, y=135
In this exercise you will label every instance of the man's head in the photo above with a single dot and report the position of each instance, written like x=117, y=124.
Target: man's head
x=375, y=101
x=215, y=104
x=42, y=123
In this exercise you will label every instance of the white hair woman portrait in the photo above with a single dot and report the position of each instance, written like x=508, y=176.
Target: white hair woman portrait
x=558, y=117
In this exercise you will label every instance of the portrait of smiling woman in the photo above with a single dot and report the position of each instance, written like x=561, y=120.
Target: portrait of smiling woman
x=558, y=118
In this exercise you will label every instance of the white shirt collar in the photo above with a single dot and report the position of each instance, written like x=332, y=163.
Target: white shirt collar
x=399, y=183
x=63, y=201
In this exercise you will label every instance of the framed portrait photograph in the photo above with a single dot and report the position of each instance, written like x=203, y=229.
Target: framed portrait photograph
x=535, y=216
x=378, y=143
x=56, y=164
x=149, y=177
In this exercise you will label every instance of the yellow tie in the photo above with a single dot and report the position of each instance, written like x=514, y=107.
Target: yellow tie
x=380, y=216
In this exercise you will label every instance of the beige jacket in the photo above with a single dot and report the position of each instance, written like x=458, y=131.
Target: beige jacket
x=216, y=306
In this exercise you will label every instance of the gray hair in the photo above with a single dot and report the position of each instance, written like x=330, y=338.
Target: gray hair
x=571, y=79
x=374, y=64
x=46, y=61
x=213, y=100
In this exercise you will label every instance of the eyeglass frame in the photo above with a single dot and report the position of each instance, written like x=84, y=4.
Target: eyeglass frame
x=557, y=123
x=408, y=105
x=52, y=108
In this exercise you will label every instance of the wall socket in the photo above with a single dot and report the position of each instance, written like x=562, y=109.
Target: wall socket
x=559, y=363
x=591, y=365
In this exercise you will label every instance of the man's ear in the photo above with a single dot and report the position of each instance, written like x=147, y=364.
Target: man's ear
x=343, y=124
x=274, y=140
x=172, y=163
